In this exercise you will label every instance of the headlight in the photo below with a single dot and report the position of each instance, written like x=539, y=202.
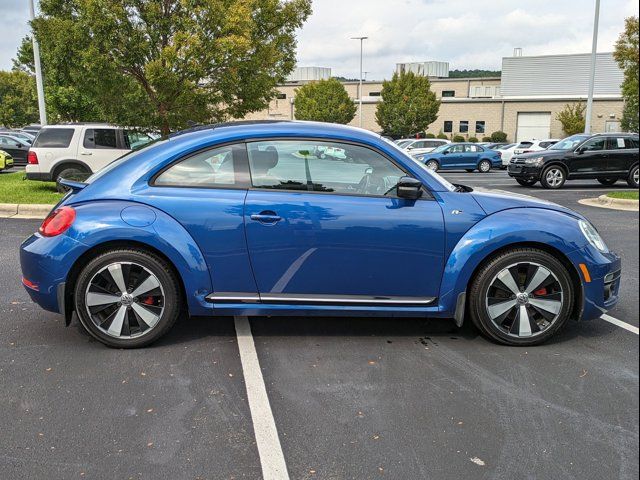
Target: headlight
x=592, y=235
x=534, y=162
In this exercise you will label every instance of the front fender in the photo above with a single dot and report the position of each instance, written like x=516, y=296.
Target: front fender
x=504, y=228
x=100, y=222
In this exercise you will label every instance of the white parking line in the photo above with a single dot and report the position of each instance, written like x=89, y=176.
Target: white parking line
x=272, y=460
x=620, y=323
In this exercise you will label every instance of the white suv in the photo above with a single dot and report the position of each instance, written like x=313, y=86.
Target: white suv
x=534, y=145
x=77, y=150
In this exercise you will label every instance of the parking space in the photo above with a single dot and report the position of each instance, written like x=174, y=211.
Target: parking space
x=350, y=398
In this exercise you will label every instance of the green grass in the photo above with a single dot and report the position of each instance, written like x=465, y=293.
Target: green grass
x=15, y=188
x=624, y=195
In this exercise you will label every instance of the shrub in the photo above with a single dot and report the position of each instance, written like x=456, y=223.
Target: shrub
x=473, y=139
x=458, y=138
x=486, y=139
x=430, y=135
x=442, y=136
x=498, y=137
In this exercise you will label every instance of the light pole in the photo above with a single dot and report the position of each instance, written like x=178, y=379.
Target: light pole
x=592, y=70
x=362, y=39
x=36, y=62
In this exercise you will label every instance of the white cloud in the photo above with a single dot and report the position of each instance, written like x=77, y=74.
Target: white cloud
x=466, y=33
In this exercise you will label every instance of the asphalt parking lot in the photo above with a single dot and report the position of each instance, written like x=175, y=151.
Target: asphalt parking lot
x=350, y=398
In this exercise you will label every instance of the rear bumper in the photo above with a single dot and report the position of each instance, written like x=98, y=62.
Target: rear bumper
x=600, y=291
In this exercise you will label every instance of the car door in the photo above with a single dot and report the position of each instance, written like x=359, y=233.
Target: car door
x=622, y=154
x=333, y=231
x=100, y=146
x=15, y=148
x=471, y=156
x=591, y=158
x=453, y=157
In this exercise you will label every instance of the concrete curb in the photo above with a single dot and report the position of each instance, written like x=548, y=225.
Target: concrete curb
x=24, y=210
x=612, y=203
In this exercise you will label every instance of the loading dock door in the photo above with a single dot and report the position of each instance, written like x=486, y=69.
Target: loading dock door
x=533, y=126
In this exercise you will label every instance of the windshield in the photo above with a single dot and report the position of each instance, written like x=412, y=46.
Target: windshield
x=569, y=143
x=127, y=156
x=403, y=143
x=441, y=148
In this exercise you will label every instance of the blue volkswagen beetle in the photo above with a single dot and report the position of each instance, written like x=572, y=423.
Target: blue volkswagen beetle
x=248, y=219
x=462, y=156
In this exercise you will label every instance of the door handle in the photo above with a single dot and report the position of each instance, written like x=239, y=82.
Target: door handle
x=86, y=153
x=266, y=217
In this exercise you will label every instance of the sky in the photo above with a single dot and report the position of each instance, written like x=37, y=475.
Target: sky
x=466, y=33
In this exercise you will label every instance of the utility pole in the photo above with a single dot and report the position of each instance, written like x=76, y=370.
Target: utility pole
x=36, y=62
x=592, y=71
x=362, y=39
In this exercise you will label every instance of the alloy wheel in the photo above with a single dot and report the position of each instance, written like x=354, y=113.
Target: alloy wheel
x=636, y=176
x=524, y=300
x=125, y=300
x=432, y=165
x=485, y=166
x=555, y=177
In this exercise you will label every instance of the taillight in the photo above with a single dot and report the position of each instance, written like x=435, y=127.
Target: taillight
x=32, y=158
x=57, y=222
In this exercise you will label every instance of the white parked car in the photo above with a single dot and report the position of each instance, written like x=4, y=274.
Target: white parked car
x=534, y=145
x=424, y=145
x=76, y=150
x=507, y=152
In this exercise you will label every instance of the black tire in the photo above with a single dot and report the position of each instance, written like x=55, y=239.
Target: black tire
x=526, y=183
x=146, y=262
x=632, y=179
x=553, y=177
x=433, y=165
x=607, y=181
x=484, y=280
x=69, y=173
x=485, y=166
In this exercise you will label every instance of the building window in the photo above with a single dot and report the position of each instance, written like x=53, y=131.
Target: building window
x=464, y=126
x=448, y=93
x=374, y=94
x=448, y=126
x=281, y=96
x=480, y=127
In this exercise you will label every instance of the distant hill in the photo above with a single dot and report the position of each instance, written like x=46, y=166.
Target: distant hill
x=474, y=73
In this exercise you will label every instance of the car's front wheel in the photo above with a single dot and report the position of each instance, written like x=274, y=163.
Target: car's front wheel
x=553, y=177
x=127, y=298
x=633, y=179
x=433, y=165
x=521, y=297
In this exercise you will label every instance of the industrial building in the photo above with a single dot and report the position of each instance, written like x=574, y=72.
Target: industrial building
x=523, y=102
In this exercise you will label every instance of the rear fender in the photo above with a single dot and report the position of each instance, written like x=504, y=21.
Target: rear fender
x=502, y=229
x=99, y=223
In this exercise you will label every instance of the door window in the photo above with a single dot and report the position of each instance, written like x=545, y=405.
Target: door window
x=619, y=143
x=218, y=167
x=456, y=149
x=100, y=138
x=595, y=144
x=134, y=140
x=53, y=138
x=316, y=166
x=472, y=149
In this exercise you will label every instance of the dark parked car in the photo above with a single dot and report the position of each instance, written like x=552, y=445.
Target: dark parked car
x=15, y=147
x=606, y=158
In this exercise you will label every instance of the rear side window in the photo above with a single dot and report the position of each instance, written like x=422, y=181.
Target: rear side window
x=100, y=138
x=621, y=143
x=219, y=167
x=525, y=144
x=53, y=138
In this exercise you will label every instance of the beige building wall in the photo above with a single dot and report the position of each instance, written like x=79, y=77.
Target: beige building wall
x=497, y=113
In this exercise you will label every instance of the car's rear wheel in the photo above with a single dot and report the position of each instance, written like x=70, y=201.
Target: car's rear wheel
x=433, y=165
x=69, y=173
x=553, y=177
x=485, y=166
x=607, y=181
x=632, y=179
x=127, y=298
x=526, y=183
x=521, y=297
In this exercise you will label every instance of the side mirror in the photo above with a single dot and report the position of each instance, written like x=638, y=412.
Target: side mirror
x=409, y=188
x=579, y=151
x=446, y=152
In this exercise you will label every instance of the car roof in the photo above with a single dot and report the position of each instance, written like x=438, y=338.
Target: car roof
x=88, y=124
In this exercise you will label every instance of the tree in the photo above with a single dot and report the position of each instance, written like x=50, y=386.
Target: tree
x=163, y=63
x=324, y=101
x=626, y=54
x=572, y=118
x=18, y=100
x=408, y=105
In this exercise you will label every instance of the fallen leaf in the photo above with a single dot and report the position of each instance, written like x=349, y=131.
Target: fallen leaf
x=584, y=373
x=477, y=461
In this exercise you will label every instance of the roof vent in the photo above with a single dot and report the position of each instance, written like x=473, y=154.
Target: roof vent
x=517, y=52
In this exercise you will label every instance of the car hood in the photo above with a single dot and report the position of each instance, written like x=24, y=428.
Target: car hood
x=493, y=201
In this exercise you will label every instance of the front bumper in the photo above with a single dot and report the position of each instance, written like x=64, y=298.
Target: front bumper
x=524, y=172
x=602, y=288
